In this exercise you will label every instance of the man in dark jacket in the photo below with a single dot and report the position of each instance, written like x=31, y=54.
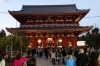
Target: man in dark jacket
x=33, y=51
x=46, y=53
x=82, y=58
x=63, y=55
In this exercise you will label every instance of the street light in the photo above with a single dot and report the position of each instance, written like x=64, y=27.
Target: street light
x=60, y=41
x=29, y=46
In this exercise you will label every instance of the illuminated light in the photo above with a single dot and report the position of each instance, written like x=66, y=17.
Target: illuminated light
x=49, y=39
x=39, y=41
x=60, y=41
x=60, y=46
x=29, y=46
x=81, y=43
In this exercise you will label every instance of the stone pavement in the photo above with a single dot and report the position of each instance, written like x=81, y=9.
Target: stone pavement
x=45, y=62
x=42, y=62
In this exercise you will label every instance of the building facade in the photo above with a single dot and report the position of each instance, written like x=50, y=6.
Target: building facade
x=51, y=25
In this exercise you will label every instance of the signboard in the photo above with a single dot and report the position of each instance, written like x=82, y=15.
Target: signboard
x=81, y=43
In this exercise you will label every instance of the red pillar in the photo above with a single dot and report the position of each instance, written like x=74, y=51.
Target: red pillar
x=75, y=42
x=44, y=43
x=65, y=42
x=32, y=41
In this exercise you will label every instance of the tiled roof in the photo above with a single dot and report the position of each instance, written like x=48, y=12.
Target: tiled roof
x=54, y=28
x=35, y=9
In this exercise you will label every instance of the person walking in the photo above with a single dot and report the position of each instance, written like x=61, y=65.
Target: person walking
x=33, y=51
x=70, y=61
x=46, y=53
x=58, y=54
x=82, y=59
x=53, y=56
x=63, y=55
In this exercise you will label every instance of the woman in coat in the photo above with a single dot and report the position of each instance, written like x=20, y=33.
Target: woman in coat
x=19, y=60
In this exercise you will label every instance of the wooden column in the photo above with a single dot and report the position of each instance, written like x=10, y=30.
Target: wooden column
x=75, y=42
x=32, y=43
x=35, y=43
x=44, y=43
x=65, y=42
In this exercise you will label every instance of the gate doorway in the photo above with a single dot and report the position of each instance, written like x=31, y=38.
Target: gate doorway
x=49, y=42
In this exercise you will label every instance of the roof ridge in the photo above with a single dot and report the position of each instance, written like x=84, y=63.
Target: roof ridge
x=51, y=5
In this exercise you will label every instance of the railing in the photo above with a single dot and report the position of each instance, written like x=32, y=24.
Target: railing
x=27, y=23
x=48, y=25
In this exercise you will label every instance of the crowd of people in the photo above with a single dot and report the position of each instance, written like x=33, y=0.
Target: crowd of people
x=69, y=57
x=21, y=59
x=25, y=59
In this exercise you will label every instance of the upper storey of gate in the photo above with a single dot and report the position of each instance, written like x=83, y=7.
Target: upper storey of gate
x=49, y=14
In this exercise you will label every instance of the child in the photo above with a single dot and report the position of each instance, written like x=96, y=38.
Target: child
x=70, y=61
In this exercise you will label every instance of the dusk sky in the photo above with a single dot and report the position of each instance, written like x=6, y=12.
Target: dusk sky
x=6, y=20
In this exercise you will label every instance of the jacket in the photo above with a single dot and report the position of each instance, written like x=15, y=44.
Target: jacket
x=70, y=62
x=2, y=62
